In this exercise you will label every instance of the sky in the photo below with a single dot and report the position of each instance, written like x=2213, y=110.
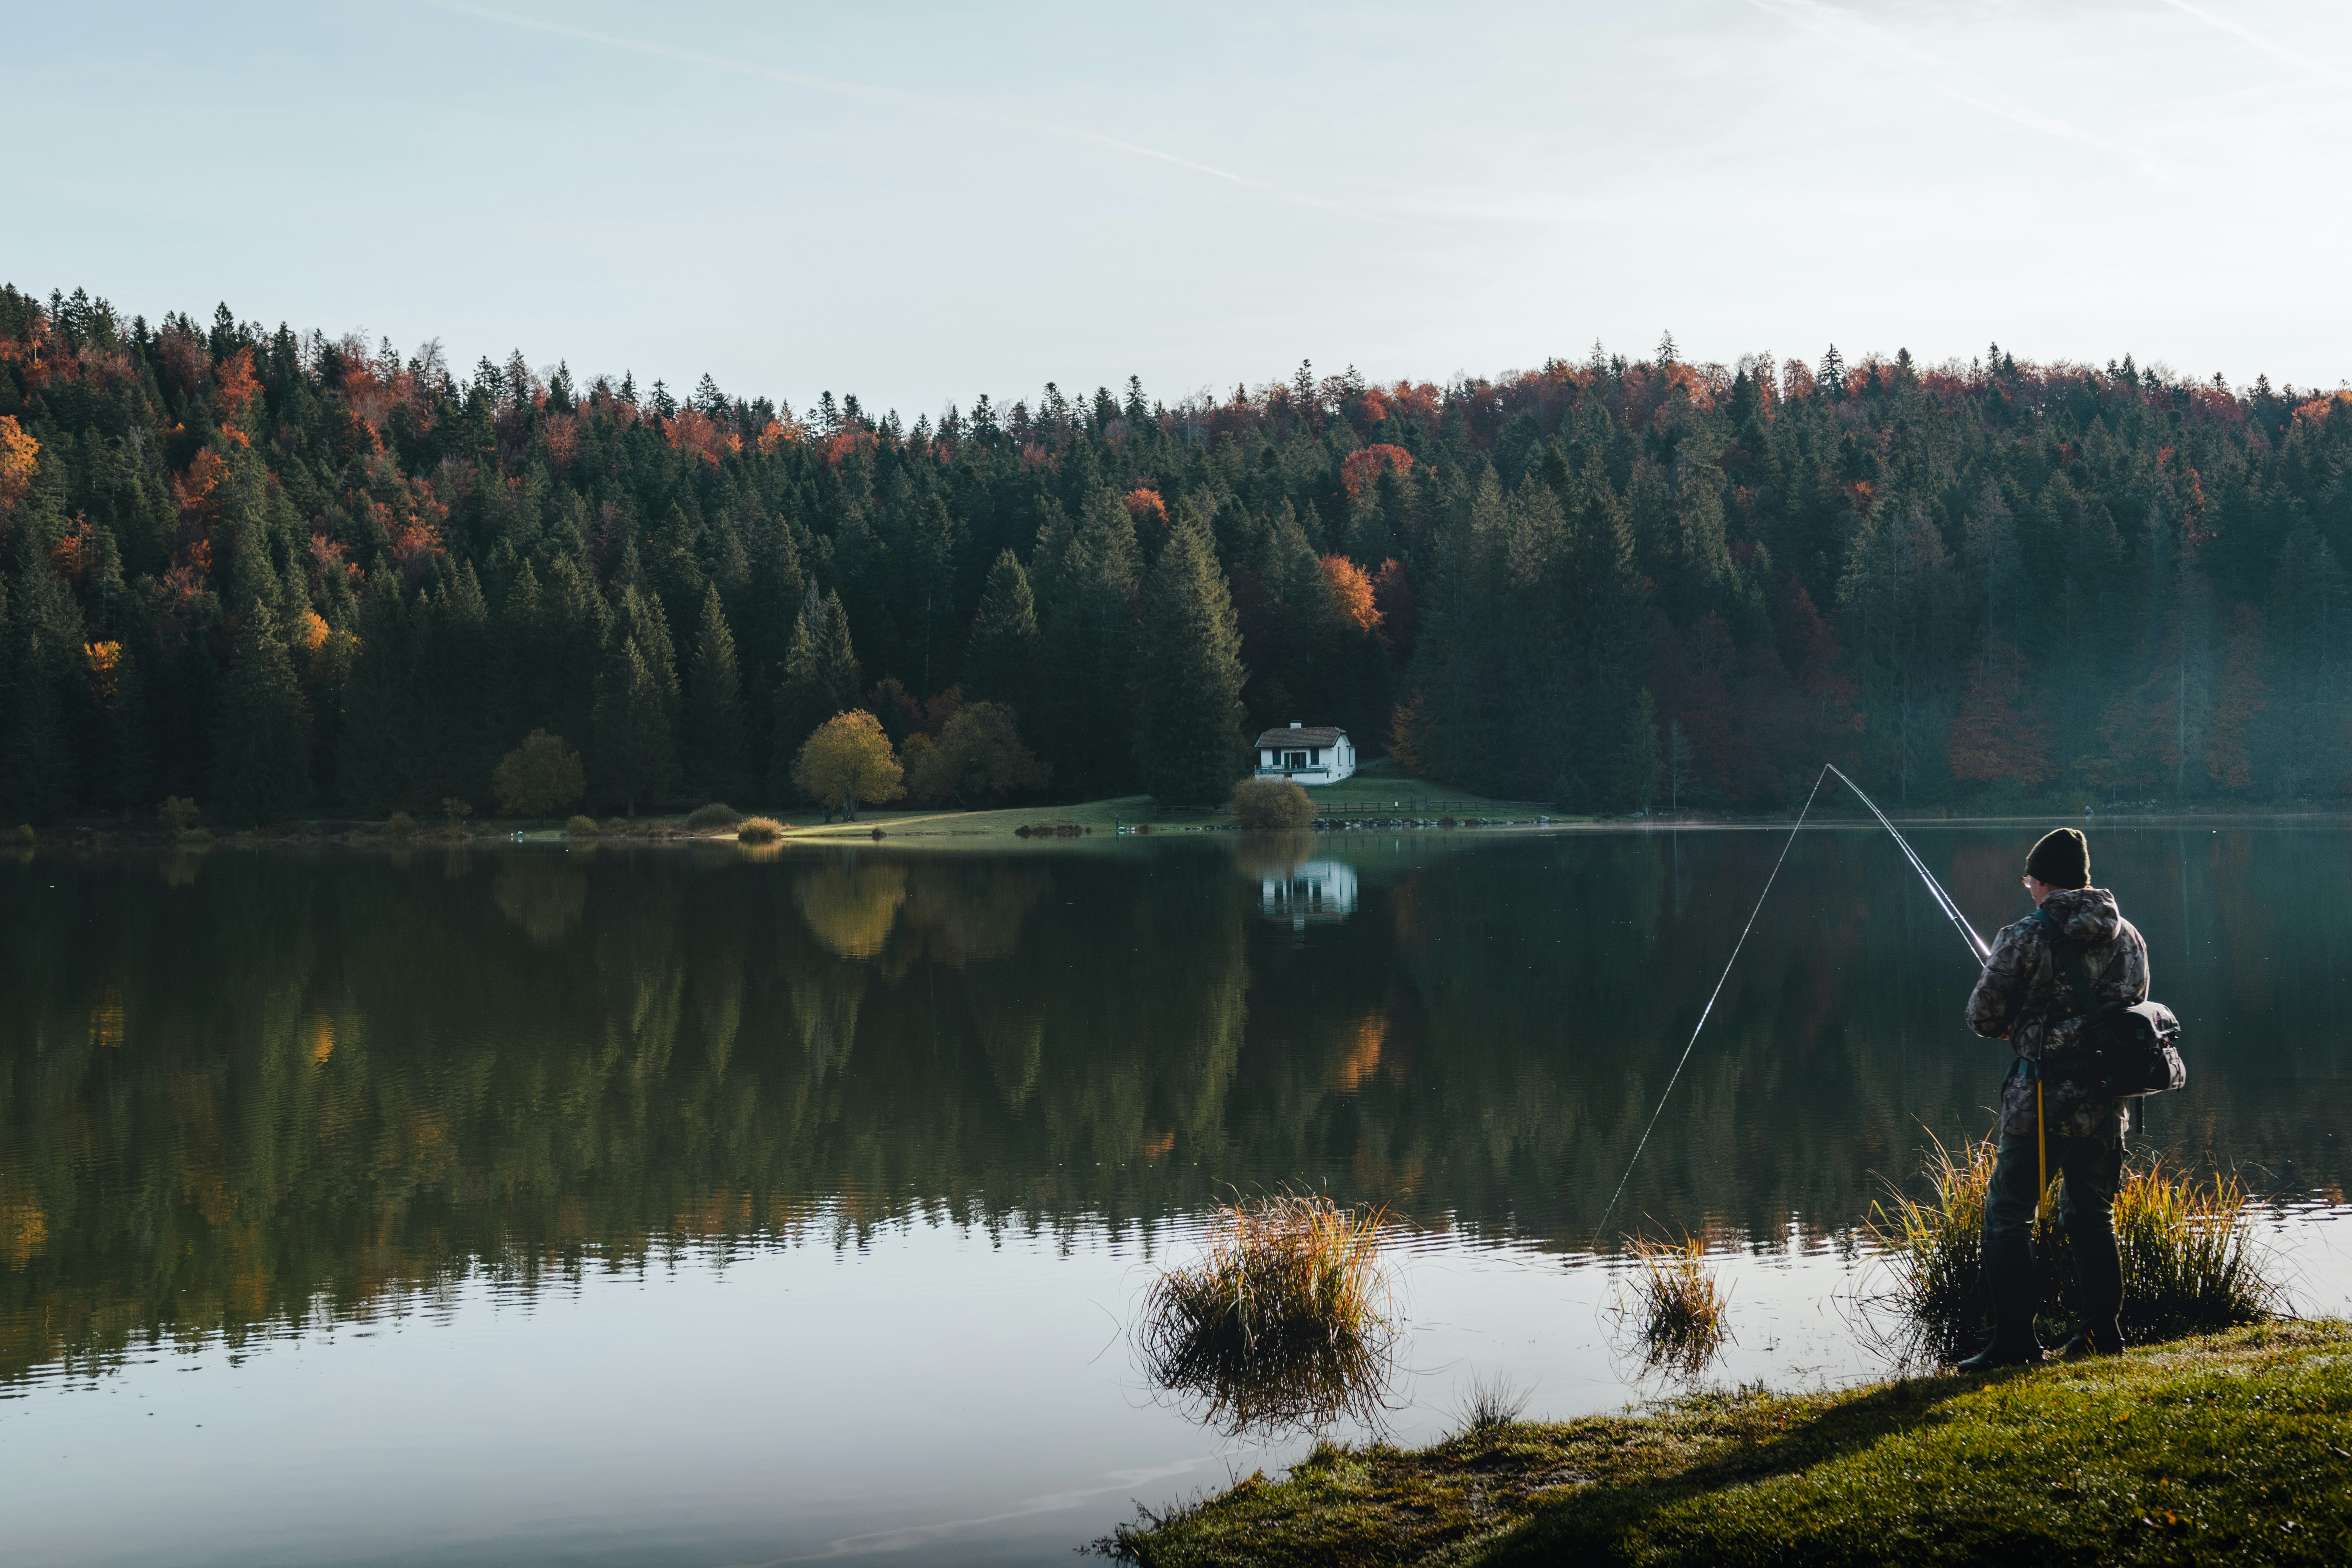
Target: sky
x=918, y=203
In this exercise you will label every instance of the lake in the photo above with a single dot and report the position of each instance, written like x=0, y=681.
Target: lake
x=518, y=1205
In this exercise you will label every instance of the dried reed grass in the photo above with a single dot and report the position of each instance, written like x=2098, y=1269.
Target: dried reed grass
x=1678, y=1304
x=1283, y=1322
x=759, y=831
x=2191, y=1262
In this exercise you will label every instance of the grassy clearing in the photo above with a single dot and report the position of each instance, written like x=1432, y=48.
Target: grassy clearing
x=1678, y=1305
x=1283, y=1322
x=2236, y=1448
x=2192, y=1261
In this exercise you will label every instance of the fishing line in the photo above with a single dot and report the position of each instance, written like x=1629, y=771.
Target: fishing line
x=1620, y=1192
x=1977, y=946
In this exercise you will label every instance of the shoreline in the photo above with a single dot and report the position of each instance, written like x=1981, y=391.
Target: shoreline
x=2233, y=1447
x=1116, y=817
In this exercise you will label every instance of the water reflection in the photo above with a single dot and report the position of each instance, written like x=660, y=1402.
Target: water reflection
x=241, y=1088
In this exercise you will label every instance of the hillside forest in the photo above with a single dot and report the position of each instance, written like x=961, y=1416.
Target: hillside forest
x=288, y=576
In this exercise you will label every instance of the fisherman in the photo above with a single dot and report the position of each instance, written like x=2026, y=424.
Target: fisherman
x=2049, y=1122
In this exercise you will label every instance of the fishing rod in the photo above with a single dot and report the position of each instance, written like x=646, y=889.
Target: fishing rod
x=1977, y=946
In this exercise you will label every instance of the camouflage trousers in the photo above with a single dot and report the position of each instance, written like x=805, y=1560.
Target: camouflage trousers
x=2092, y=1171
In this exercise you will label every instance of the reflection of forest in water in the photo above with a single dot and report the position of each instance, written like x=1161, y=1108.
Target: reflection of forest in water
x=236, y=1088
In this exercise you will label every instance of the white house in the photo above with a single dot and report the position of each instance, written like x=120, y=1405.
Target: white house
x=1316, y=754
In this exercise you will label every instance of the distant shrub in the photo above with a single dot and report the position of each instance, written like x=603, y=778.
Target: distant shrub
x=25, y=834
x=759, y=831
x=582, y=827
x=1272, y=803
x=402, y=825
x=179, y=811
x=619, y=825
x=718, y=813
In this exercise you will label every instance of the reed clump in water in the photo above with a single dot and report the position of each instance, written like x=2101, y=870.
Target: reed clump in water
x=1679, y=1306
x=759, y=831
x=2190, y=1261
x=1284, y=1321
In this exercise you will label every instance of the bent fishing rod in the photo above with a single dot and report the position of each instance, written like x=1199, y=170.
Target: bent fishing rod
x=1977, y=949
x=1977, y=944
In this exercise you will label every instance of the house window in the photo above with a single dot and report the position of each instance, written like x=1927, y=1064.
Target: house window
x=1294, y=759
x=1316, y=756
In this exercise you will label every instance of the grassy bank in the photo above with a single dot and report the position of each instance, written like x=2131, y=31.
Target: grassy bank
x=2234, y=1448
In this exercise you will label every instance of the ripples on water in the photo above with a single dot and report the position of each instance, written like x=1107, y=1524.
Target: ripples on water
x=670, y=1207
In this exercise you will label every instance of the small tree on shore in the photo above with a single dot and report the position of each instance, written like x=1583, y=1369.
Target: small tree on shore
x=978, y=756
x=847, y=761
x=540, y=777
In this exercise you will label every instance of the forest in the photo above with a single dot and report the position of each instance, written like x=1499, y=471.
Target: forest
x=290, y=576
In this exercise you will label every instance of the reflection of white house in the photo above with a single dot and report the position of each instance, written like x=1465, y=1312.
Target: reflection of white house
x=1312, y=754
x=1316, y=890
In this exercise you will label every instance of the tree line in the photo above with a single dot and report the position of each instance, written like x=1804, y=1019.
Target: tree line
x=286, y=574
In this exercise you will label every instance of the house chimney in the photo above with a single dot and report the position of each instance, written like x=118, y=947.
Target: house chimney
x=1297, y=725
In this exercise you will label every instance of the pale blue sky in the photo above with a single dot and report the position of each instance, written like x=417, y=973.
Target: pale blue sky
x=918, y=203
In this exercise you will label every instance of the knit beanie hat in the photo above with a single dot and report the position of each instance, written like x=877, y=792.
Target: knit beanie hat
x=2062, y=860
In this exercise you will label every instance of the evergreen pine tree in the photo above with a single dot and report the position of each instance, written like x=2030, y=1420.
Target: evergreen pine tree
x=457, y=667
x=262, y=761
x=379, y=729
x=577, y=623
x=1188, y=733
x=1637, y=764
x=821, y=680
x=1087, y=650
x=763, y=617
x=636, y=705
x=634, y=757
x=714, y=707
x=837, y=661
x=1000, y=660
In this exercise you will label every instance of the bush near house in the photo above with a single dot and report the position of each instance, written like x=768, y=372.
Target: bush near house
x=1273, y=804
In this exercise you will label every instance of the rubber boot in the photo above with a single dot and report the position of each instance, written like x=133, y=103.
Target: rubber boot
x=2099, y=1280
x=2010, y=1280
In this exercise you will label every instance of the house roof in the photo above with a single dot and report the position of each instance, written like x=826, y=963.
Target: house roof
x=1311, y=736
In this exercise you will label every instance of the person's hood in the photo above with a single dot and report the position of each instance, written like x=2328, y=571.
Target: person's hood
x=2087, y=915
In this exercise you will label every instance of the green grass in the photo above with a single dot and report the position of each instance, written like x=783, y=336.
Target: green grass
x=2236, y=1448
x=1375, y=791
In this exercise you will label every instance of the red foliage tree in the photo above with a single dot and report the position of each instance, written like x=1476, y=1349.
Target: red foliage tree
x=1365, y=467
x=1351, y=592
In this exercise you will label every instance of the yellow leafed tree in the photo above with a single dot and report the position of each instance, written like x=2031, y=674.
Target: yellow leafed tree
x=847, y=761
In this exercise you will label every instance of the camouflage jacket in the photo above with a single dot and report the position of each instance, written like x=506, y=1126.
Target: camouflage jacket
x=2020, y=996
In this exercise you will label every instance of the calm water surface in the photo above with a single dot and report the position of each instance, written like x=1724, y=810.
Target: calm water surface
x=521, y=1205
